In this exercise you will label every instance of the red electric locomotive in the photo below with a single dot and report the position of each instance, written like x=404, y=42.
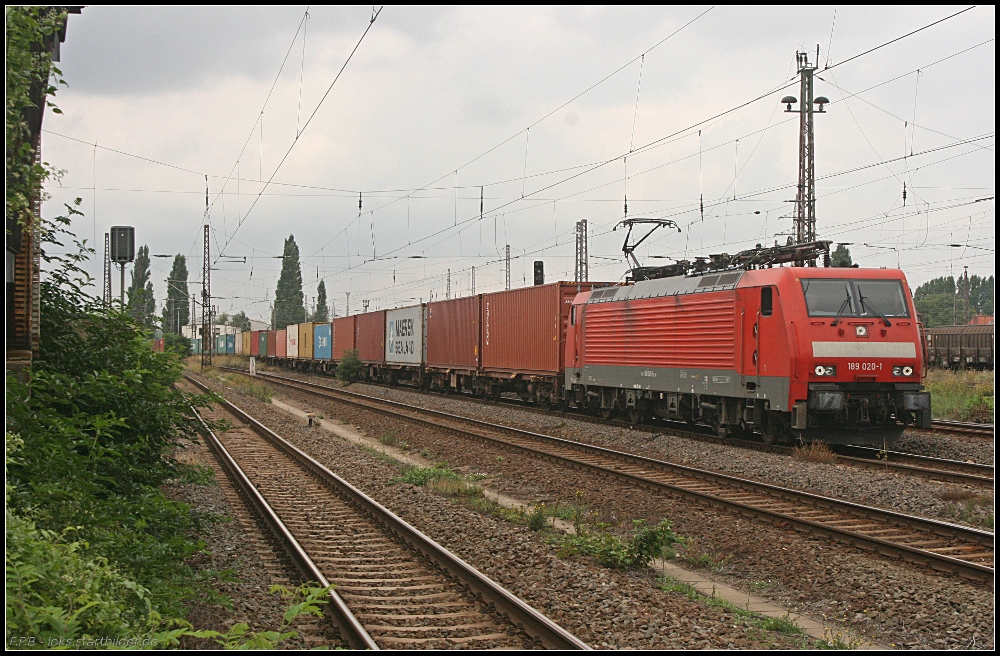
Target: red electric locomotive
x=831, y=354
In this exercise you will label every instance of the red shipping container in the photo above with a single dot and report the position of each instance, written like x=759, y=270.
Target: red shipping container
x=524, y=330
x=281, y=344
x=369, y=336
x=255, y=342
x=453, y=333
x=272, y=343
x=342, y=336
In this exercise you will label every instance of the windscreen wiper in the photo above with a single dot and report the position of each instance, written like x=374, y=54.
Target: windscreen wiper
x=843, y=307
x=875, y=309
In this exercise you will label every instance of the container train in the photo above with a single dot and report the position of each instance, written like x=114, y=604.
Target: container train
x=787, y=353
x=961, y=347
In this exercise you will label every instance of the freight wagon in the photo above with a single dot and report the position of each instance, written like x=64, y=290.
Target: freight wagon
x=961, y=347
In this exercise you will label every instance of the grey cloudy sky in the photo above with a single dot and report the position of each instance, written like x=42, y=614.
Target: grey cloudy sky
x=431, y=89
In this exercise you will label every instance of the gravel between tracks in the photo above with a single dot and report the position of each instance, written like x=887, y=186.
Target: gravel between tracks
x=950, y=446
x=969, y=505
x=890, y=601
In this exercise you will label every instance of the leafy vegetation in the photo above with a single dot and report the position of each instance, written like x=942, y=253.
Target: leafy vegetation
x=841, y=256
x=174, y=343
x=288, y=298
x=350, y=367
x=961, y=395
x=141, y=304
x=322, y=312
x=942, y=301
x=177, y=308
x=647, y=543
x=304, y=600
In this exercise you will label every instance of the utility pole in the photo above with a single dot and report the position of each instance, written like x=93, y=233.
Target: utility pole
x=508, y=267
x=582, y=273
x=206, y=304
x=805, y=197
x=965, y=310
x=447, y=293
x=107, y=269
x=364, y=303
x=348, y=294
x=473, y=281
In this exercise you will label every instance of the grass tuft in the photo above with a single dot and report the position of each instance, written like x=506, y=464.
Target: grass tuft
x=814, y=452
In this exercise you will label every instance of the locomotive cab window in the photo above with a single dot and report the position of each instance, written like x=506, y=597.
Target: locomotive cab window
x=854, y=298
x=766, y=301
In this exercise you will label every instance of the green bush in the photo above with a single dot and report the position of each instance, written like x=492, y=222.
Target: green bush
x=93, y=427
x=350, y=368
x=646, y=543
x=179, y=344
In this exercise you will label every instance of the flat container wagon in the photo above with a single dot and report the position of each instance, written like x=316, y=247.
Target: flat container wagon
x=281, y=343
x=291, y=341
x=369, y=337
x=342, y=336
x=305, y=340
x=322, y=341
x=271, y=348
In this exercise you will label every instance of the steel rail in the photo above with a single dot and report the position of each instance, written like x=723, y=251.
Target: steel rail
x=972, y=472
x=534, y=623
x=974, y=538
x=962, y=428
x=921, y=469
x=350, y=628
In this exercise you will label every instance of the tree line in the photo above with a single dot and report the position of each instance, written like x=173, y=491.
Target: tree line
x=289, y=300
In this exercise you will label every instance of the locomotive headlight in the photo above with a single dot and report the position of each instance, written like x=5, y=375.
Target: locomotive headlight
x=820, y=370
x=897, y=371
x=825, y=370
x=902, y=371
x=907, y=371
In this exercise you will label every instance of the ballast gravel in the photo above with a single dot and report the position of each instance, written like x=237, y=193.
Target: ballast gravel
x=962, y=504
x=889, y=601
x=605, y=608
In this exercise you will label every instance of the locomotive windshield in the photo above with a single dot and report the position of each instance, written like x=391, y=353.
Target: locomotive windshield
x=854, y=298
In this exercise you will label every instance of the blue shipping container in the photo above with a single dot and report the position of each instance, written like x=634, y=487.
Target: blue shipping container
x=220, y=345
x=231, y=344
x=322, y=344
x=196, y=346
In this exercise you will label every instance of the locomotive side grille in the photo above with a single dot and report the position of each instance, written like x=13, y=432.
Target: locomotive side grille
x=681, y=331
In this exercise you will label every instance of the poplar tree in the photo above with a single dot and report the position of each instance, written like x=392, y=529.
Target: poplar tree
x=288, y=299
x=177, y=310
x=141, y=304
x=322, y=313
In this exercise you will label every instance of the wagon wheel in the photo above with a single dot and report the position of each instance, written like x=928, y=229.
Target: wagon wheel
x=545, y=402
x=607, y=413
x=635, y=415
x=495, y=393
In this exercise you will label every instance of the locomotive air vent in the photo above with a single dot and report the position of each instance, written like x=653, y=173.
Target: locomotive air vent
x=729, y=279
x=709, y=281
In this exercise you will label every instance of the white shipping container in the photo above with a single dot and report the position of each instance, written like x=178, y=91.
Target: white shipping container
x=405, y=341
x=292, y=341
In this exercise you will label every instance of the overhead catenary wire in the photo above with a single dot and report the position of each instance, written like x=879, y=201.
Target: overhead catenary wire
x=305, y=125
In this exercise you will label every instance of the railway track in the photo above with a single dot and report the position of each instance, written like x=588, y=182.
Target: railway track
x=942, y=545
x=963, y=428
x=394, y=587
x=909, y=464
